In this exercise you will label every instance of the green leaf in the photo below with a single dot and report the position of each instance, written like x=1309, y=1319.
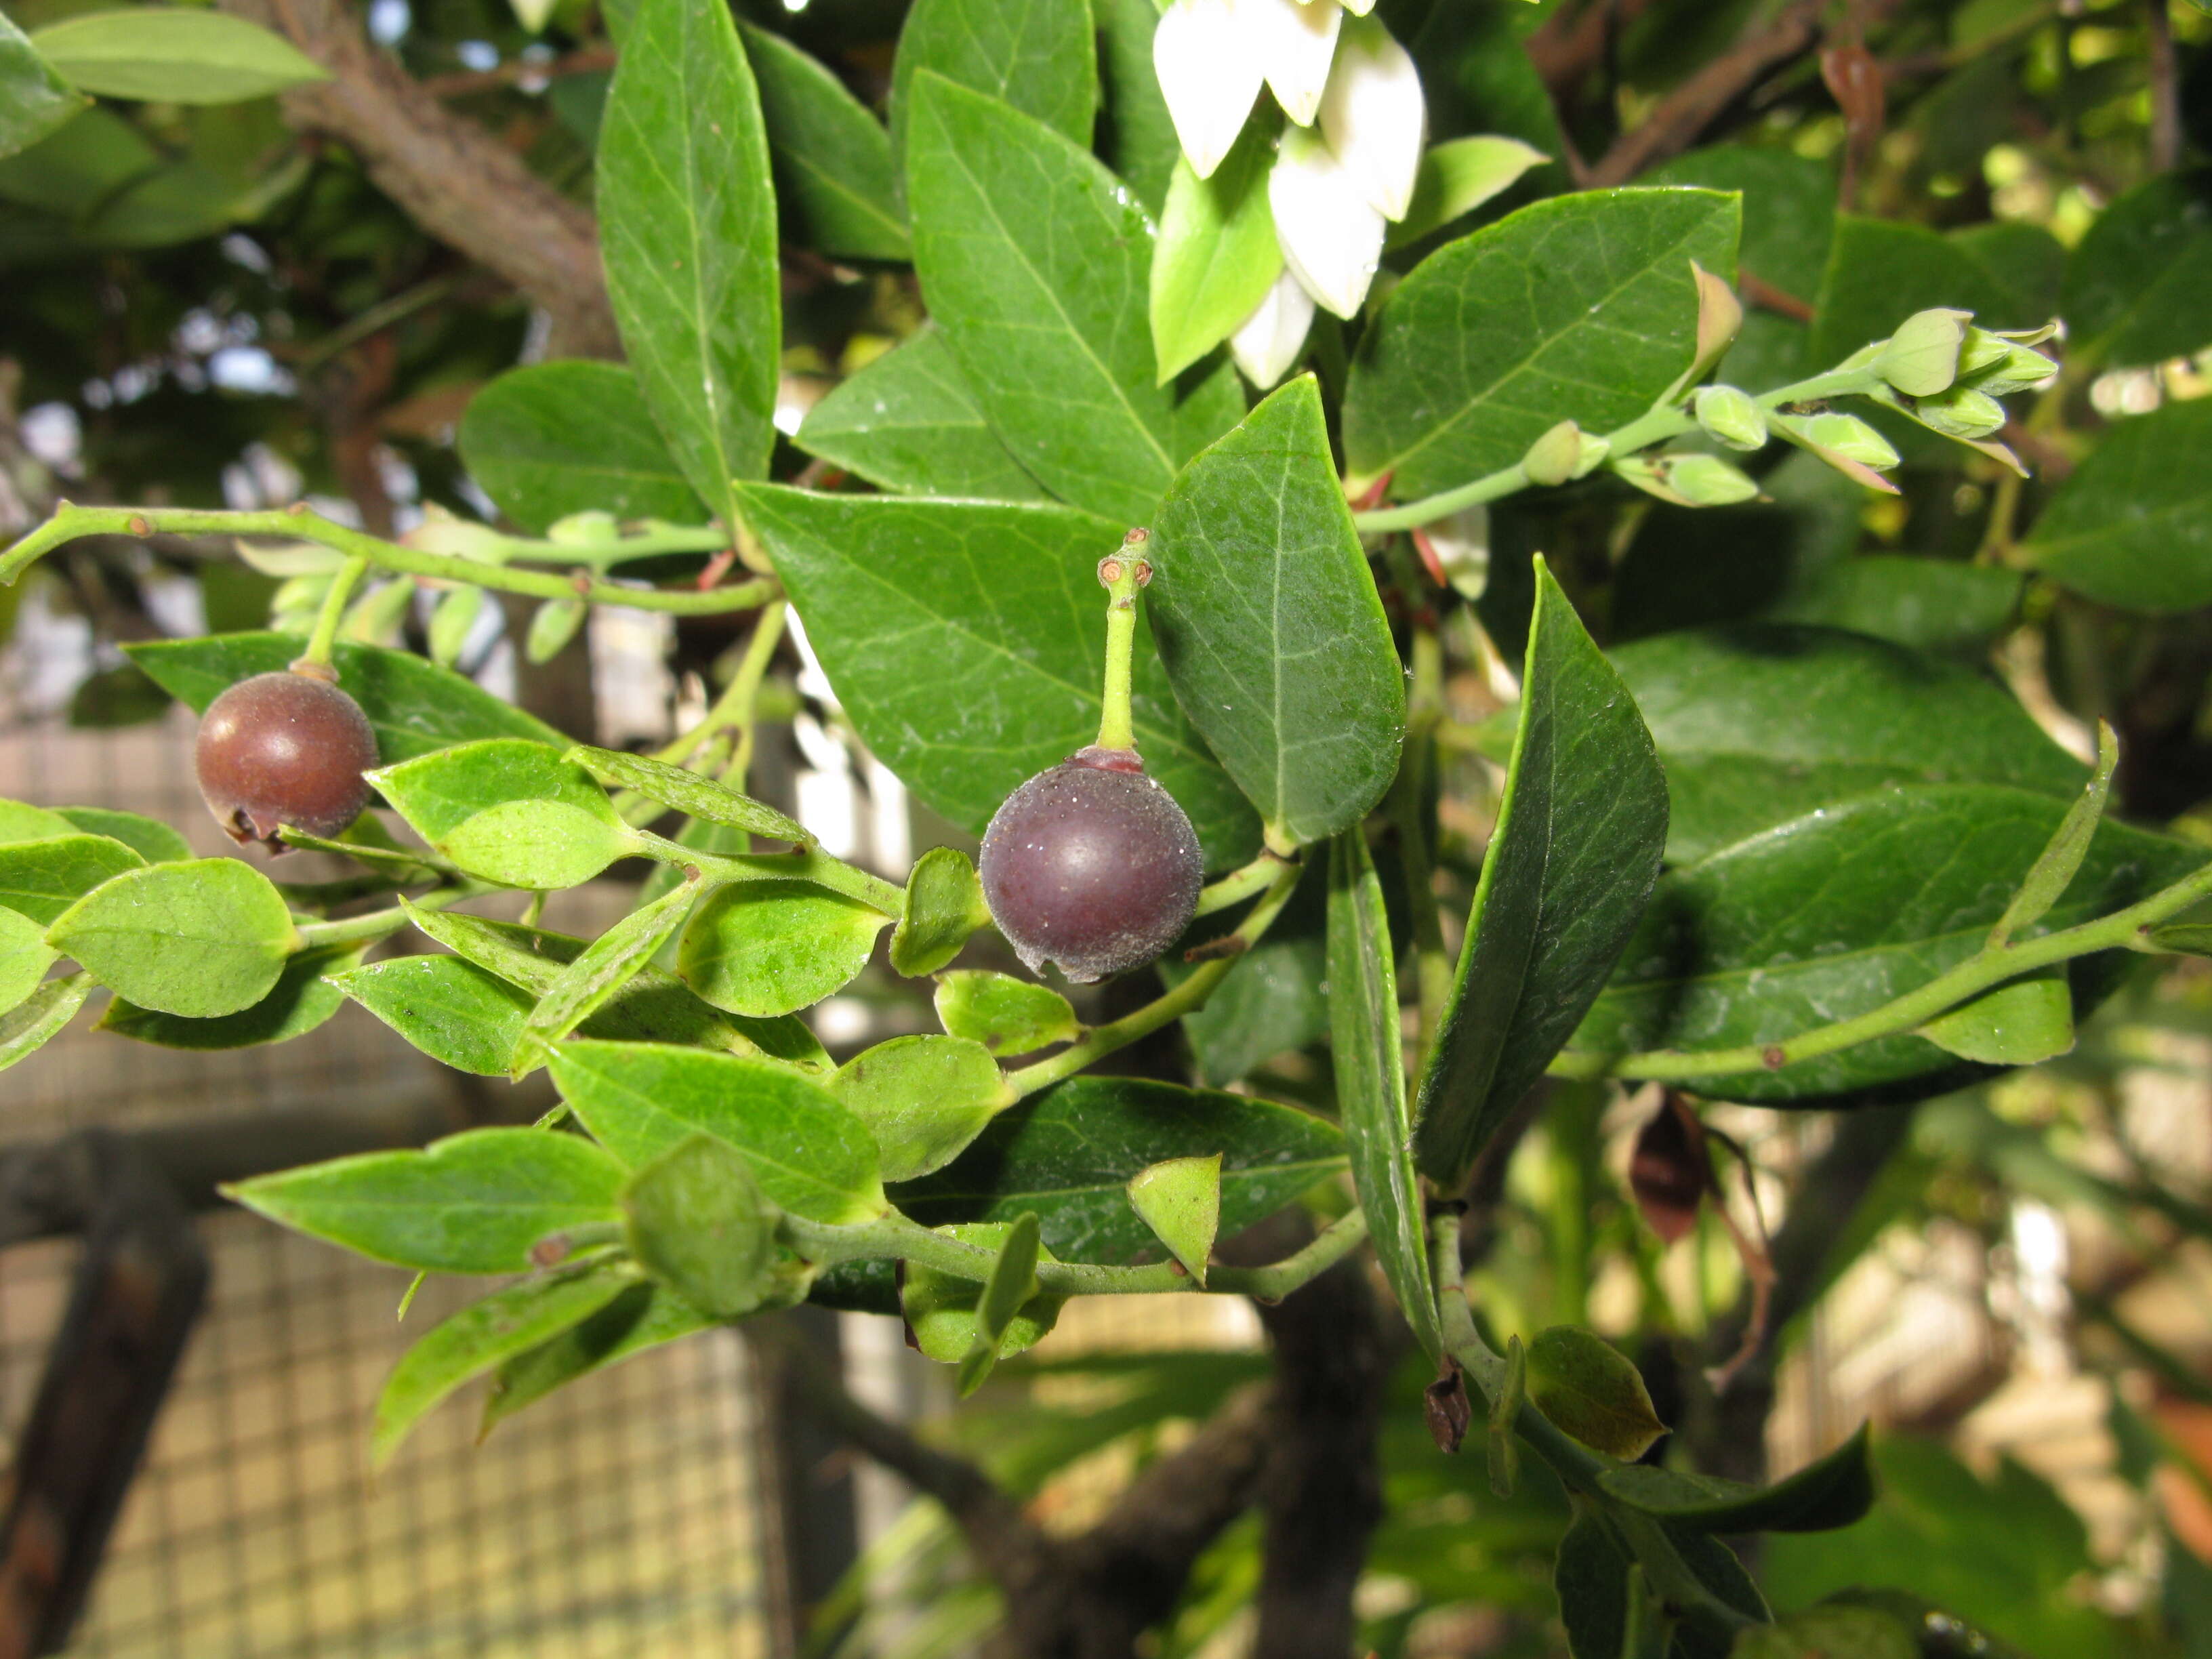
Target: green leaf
x=1830, y=1492
x=2023, y=1024
x=484, y=1335
x=1180, y=1199
x=832, y=158
x=151, y=839
x=641, y=1318
x=1011, y=1284
x=1580, y=307
x=27, y=1026
x=944, y=905
x=810, y=1155
x=173, y=55
x=1007, y=1016
x=34, y=100
x=552, y=626
x=515, y=813
x=599, y=970
x=42, y=878
x=1370, y=1083
x=1829, y=1634
x=458, y=1013
x=473, y=1203
x=1003, y=603
x=923, y=1098
x=2054, y=871
x=700, y=1223
x=1757, y=725
x=1458, y=177
x=1068, y=1154
x=1931, y=605
x=548, y=440
x=414, y=707
x=1590, y=1577
x=2138, y=287
x=1580, y=830
x=1034, y=55
x=1269, y=625
x=687, y=792
x=1588, y=1390
x=687, y=225
x=908, y=421
x=20, y=821
x=1835, y=913
x=1880, y=271
x=772, y=947
x=1036, y=266
x=25, y=955
x=300, y=1001
x=2133, y=526
x=940, y=1308
x=201, y=939
x=1139, y=140
x=1216, y=255
x=1501, y=1441
x=1278, y=998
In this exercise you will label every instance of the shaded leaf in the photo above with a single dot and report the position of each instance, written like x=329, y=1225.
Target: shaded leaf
x=908, y=421
x=1011, y=1285
x=151, y=839
x=300, y=1001
x=201, y=939
x=1832, y=1491
x=1588, y=1389
x=34, y=100
x=2133, y=526
x=1830, y=1633
x=173, y=55
x=27, y=1026
x=599, y=970
x=1034, y=55
x=2054, y=870
x=2138, y=287
x=1458, y=177
x=940, y=1308
x=2023, y=1024
x=1139, y=139
x=1590, y=1577
x=699, y=1221
x=548, y=440
x=642, y=1316
x=832, y=158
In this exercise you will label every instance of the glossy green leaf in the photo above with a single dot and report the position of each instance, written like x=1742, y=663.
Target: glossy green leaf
x=600, y=969
x=300, y=1001
x=2023, y=1024
x=1457, y=177
x=698, y=1222
x=908, y=422
x=1830, y=1633
x=1216, y=255
x=1139, y=138
x=1180, y=1199
x=1580, y=307
x=25, y=955
x=1830, y=1492
x=1036, y=266
x=173, y=55
x=1013, y=1284
x=687, y=228
x=1580, y=830
x=2132, y=526
x=1836, y=912
x=1588, y=1390
x=1007, y=1016
x=1068, y=1154
x=42, y=878
x=832, y=158
x=1278, y=998
x=151, y=839
x=1371, y=1084
x=811, y=1156
x=641, y=1317
x=944, y=905
x=687, y=792
x=1270, y=628
x=1590, y=1577
x=20, y=821
x=773, y=947
x=1034, y=55
x=31, y=1023
x=1932, y=604
x=518, y=813
x=34, y=100
x=1003, y=601
x=2139, y=287
x=1757, y=725
x=548, y=440
x=202, y=938
x=414, y=707
x=923, y=1098
x=485, y=1335
x=473, y=1203
x=2054, y=871
x=458, y=1013
x=940, y=1308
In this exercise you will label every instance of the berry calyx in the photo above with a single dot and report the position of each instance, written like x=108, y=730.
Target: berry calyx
x=284, y=748
x=1091, y=865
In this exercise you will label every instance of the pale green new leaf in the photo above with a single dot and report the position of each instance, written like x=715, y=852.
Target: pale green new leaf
x=1216, y=255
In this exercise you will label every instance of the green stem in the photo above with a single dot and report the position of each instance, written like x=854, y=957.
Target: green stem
x=325, y=633
x=1240, y=884
x=1990, y=966
x=1121, y=575
x=70, y=521
x=808, y=864
x=1103, y=1040
x=381, y=924
x=734, y=706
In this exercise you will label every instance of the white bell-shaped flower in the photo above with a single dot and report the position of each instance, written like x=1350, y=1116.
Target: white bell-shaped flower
x=1331, y=233
x=1210, y=73
x=1267, y=343
x=1295, y=40
x=1373, y=116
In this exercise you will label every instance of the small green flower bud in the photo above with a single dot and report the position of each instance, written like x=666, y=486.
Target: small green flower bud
x=1997, y=368
x=1962, y=412
x=453, y=621
x=1554, y=457
x=440, y=532
x=1729, y=417
x=377, y=617
x=552, y=627
x=1595, y=450
x=588, y=529
x=1921, y=358
x=1687, y=480
x=1842, y=435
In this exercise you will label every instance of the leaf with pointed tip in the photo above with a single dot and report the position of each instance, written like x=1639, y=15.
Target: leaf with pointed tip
x=1180, y=1199
x=1139, y=140
x=202, y=938
x=687, y=792
x=1216, y=255
x=2055, y=868
x=548, y=440
x=641, y=1318
x=2132, y=525
x=1007, y=1016
x=908, y=421
x=458, y=1013
x=1269, y=625
x=2023, y=1024
x=1010, y=1287
x=31, y=1023
x=944, y=905
x=1831, y=1491
x=518, y=813
x=925, y=1099
x=832, y=158
x=2139, y=285
x=1581, y=828
x=34, y=100
x=1034, y=56
x=1588, y=1390
x=600, y=969
x=175, y=54
x=25, y=955
x=940, y=1308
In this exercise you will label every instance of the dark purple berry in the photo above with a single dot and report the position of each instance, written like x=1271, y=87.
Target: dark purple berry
x=284, y=748
x=1091, y=865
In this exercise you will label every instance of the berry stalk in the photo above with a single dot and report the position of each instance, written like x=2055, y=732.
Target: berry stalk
x=316, y=659
x=1121, y=575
